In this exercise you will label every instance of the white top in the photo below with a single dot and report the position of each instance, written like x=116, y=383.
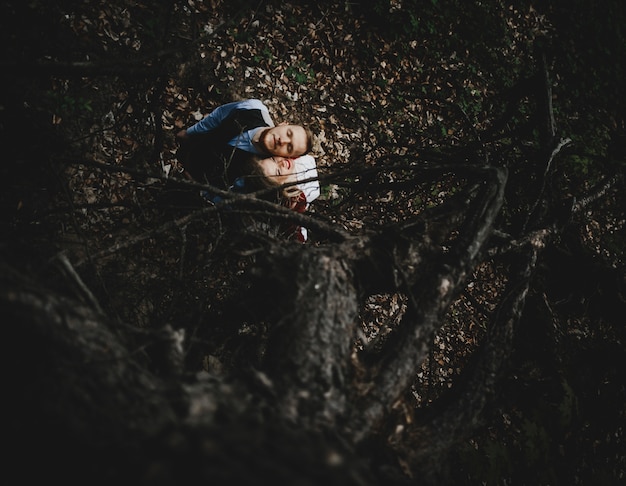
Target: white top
x=306, y=168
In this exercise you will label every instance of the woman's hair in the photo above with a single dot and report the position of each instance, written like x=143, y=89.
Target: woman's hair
x=309, y=140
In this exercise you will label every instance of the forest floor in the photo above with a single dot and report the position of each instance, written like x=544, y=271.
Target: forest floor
x=369, y=97
x=366, y=96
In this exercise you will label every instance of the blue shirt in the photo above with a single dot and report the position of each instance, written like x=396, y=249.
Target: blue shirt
x=242, y=141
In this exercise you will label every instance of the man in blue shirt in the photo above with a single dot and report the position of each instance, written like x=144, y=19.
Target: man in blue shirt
x=247, y=125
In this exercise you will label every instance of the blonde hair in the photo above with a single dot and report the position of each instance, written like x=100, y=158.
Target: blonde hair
x=309, y=140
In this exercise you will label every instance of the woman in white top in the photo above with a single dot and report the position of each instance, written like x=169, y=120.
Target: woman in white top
x=301, y=172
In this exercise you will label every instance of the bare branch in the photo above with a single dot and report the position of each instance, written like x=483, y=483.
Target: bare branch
x=599, y=191
x=450, y=421
x=435, y=292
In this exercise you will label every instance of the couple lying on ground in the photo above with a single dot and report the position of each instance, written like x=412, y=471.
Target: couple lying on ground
x=238, y=146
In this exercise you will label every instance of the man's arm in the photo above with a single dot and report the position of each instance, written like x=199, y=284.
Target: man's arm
x=209, y=122
x=213, y=119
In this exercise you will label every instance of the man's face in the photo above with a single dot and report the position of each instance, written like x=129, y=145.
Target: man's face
x=284, y=140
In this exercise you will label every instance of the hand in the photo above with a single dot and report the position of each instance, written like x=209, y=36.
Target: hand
x=182, y=135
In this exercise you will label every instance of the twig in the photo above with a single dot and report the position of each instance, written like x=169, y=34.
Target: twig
x=596, y=193
x=67, y=266
x=183, y=246
x=128, y=242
